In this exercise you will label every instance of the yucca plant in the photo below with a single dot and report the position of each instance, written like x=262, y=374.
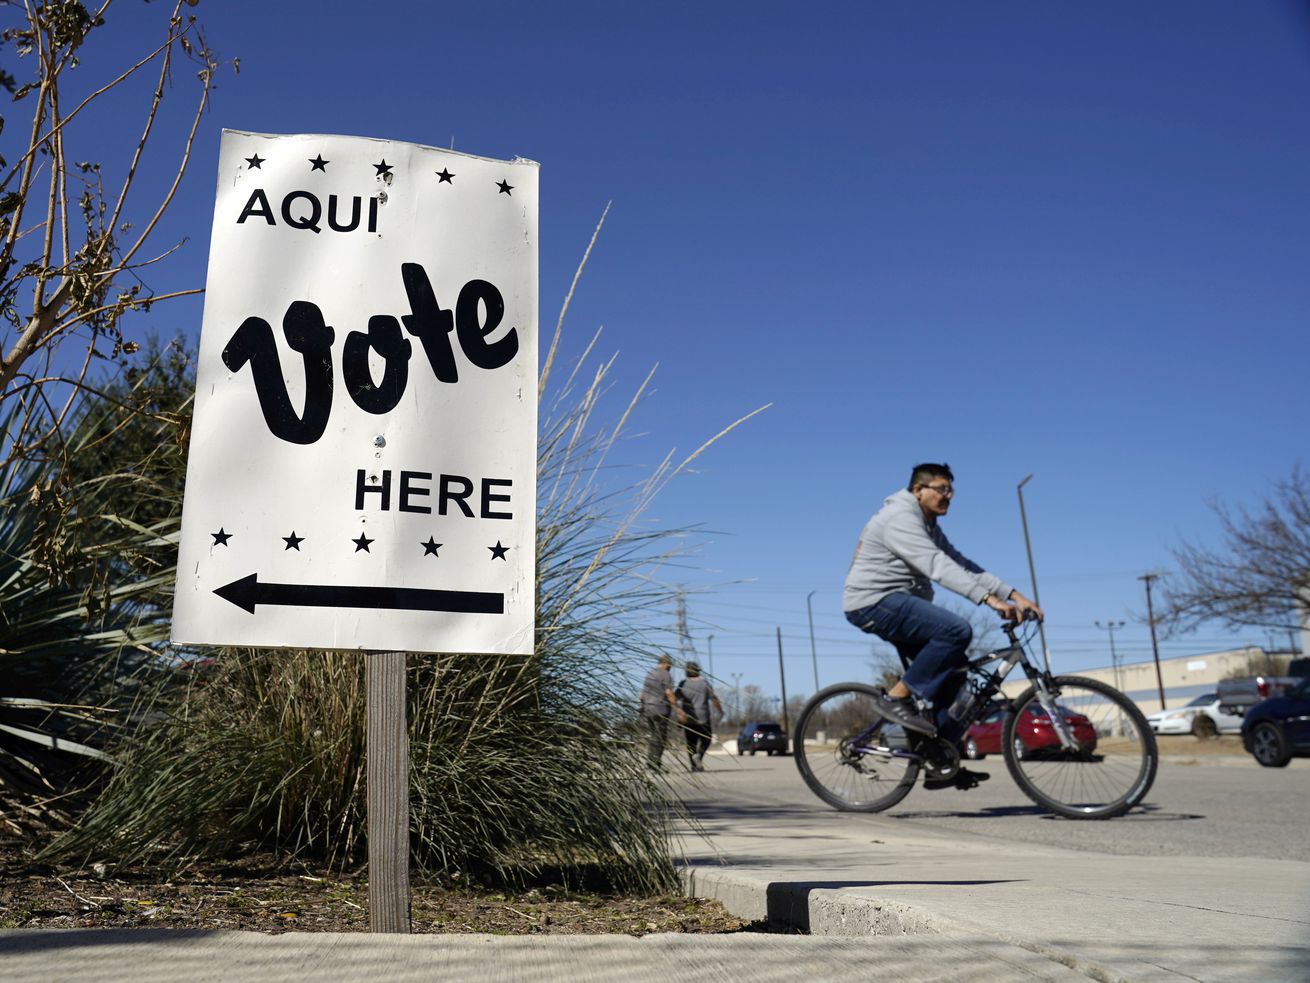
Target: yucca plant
x=84, y=566
x=519, y=765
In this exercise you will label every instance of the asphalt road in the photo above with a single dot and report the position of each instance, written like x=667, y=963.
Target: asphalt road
x=1227, y=807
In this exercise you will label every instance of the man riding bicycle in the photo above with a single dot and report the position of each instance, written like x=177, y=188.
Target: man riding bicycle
x=888, y=593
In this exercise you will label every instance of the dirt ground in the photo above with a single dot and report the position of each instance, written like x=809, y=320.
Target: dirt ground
x=256, y=895
x=1185, y=745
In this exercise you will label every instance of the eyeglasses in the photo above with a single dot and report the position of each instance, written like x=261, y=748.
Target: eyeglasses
x=944, y=490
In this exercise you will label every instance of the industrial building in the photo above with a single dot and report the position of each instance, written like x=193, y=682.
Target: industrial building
x=1184, y=677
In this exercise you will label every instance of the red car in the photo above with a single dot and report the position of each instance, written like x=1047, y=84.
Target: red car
x=1032, y=733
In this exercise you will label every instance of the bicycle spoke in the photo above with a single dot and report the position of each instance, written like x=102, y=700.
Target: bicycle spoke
x=846, y=753
x=1110, y=769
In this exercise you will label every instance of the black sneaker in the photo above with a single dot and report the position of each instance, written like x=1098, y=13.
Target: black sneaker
x=964, y=779
x=903, y=712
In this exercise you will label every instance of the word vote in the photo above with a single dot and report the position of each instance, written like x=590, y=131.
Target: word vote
x=306, y=333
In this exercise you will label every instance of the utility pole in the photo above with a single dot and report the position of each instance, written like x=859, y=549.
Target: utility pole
x=1146, y=578
x=709, y=643
x=782, y=676
x=1032, y=572
x=813, y=653
x=1112, y=627
x=736, y=699
x=686, y=647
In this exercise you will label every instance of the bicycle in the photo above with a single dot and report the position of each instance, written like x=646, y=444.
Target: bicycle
x=1077, y=747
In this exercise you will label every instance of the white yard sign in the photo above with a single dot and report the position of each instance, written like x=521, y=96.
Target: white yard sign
x=363, y=455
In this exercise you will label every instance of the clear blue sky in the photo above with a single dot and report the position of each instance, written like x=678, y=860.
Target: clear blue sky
x=1070, y=240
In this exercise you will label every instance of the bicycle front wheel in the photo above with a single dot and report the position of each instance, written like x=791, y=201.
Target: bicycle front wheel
x=1109, y=769
x=849, y=756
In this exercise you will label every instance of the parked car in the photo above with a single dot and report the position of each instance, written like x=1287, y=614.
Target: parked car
x=762, y=735
x=1203, y=717
x=1278, y=730
x=1032, y=734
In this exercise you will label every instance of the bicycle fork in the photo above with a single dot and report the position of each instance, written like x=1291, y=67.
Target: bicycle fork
x=1054, y=714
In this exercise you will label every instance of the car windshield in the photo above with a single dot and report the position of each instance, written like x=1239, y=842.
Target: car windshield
x=1205, y=699
x=769, y=728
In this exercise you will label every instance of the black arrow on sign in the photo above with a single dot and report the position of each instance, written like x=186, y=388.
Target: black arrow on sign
x=248, y=592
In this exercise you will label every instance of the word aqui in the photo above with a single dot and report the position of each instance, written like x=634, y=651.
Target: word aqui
x=303, y=210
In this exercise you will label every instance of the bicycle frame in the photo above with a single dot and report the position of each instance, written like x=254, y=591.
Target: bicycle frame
x=1014, y=654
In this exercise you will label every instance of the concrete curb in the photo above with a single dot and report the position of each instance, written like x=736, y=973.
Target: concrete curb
x=811, y=908
x=835, y=913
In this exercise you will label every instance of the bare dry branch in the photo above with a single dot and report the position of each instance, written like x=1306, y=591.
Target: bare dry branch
x=69, y=272
x=1259, y=573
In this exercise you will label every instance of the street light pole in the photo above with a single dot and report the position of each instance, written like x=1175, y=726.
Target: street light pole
x=782, y=678
x=736, y=698
x=1112, y=627
x=1032, y=572
x=813, y=652
x=1146, y=578
x=710, y=645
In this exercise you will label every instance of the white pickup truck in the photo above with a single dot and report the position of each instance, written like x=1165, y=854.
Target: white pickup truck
x=1240, y=694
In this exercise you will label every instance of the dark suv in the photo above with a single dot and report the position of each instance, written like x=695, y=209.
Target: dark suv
x=1277, y=730
x=762, y=735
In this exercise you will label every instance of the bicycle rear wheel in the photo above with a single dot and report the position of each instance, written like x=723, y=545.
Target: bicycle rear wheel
x=849, y=756
x=1110, y=770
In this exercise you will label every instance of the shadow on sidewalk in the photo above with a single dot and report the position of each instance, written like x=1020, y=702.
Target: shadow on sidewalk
x=1144, y=813
x=711, y=809
x=41, y=940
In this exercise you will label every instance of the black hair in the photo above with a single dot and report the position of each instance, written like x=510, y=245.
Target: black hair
x=924, y=473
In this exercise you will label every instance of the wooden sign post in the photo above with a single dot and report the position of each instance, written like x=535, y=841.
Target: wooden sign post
x=362, y=466
x=388, y=792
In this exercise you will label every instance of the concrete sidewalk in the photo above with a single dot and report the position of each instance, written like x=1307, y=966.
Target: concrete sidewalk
x=1108, y=917
x=143, y=956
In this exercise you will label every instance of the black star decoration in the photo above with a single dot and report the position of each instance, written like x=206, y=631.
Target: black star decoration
x=255, y=161
x=446, y=176
x=319, y=164
x=221, y=537
x=505, y=188
x=498, y=552
x=383, y=169
x=293, y=541
x=362, y=543
x=430, y=547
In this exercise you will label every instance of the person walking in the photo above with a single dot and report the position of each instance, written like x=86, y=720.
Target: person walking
x=658, y=703
x=695, y=697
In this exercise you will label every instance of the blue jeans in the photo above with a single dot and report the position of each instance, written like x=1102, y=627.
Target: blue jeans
x=931, y=642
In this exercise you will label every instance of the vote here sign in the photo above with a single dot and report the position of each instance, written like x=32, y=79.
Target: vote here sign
x=362, y=463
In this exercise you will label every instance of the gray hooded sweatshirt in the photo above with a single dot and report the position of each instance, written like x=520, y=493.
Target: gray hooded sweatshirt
x=903, y=550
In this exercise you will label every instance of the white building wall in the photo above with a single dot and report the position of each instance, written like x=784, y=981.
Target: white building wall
x=1184, y=677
